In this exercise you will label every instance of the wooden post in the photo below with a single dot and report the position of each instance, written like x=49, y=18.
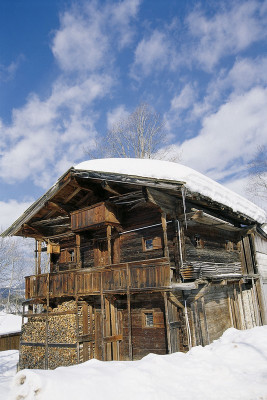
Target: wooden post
x=78, y=251
x=102, y=318
x=39, y=257
x=91, y=355
x=85, y=330
x=108, y=330
x=167, y=322
x=230, y=308
x=109, y=244
x=36, y=257
x=113, y=331
x=77, y=318
x=256, y=304
x=46, y=323
x=165, y=236
x=205, y=319
x=129, y=313
x=243, y=305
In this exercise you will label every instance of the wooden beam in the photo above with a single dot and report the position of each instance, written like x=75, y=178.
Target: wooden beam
x=73, y=194
x=165, y=236
x=174, y=300
x=130, y=347
x=109, y=244
x=108, y=329
x=113, y=339
x=102, y=300
x=39, y=257
x=167, y=322
x=107, y=187
x=78, y=251
x=114, y=331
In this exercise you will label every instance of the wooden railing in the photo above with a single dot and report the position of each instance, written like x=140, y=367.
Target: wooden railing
x=116, y=278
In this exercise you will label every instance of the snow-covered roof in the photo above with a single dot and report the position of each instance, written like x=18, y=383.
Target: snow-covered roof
x=194, y=181
x=9, y=323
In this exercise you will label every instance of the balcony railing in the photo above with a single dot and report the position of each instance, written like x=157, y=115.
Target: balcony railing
x=116, y=278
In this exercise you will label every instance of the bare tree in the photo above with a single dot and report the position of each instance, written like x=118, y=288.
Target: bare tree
x=257, y=184
x=140, y=135
x=14, y=263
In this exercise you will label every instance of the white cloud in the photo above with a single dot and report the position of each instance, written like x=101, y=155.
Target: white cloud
x=10, y=211
x=226, y=32
x=44, y=133
x=89, y=34
x=122, y=13
x=7, y=72
x=80, y=43
x=229, y=137
x=116, y=115
x=152, y=53
x=184, y=99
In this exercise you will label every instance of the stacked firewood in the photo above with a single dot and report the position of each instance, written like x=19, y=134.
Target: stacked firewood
x=32, y=357
x=34, y=330
x=58, y=357
x=60, y=329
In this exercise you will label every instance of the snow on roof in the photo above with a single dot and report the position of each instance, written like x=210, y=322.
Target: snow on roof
x=194, y=181
x=9, y=323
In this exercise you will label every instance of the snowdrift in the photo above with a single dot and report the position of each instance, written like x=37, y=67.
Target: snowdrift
x=233, y=367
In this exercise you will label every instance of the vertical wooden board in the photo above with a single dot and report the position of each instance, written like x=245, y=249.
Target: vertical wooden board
x=91, y=331
x=167, y=322
x=114, y=331
x=85, y=331
x=249, y=307
x=107, y=329
x=261, y=301
x=98, y=335
x=217, y=311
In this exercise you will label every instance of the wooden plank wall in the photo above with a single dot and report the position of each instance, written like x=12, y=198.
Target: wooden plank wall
x=10, y=341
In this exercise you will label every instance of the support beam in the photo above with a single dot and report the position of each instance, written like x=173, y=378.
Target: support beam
x=109, y=244
x=165, y=236
x=78, y=251
x=167, y=322
x=129, y=314
x=102, y=299
x=39, y=257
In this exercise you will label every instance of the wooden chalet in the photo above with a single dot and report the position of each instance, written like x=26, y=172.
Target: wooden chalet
x=137, y=265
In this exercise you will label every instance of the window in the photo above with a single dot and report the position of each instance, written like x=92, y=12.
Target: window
x=149, y=320
x=148, y=244
x=229, y=246
x=152, y=243
x=199, y=243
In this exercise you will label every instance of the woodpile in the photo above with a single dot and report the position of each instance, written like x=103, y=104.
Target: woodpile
x=59, y=327
x=59, y=357
x=62, y=328
x=34, y=330
x=32, y=357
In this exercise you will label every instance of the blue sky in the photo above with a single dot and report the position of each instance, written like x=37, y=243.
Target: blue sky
x=69, y=69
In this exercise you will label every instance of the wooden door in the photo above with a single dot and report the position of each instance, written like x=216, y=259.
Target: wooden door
x=87, y=330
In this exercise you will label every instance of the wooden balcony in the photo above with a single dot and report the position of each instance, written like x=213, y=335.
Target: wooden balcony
x=134, y=276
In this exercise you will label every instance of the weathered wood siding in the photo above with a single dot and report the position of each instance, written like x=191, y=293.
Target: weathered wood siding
x=9, y=341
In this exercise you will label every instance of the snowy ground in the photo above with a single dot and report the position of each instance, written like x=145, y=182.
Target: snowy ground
x=233, y=367
x=9, y=323
x=8, y=368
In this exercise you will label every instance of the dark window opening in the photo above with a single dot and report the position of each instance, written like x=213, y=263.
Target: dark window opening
x=198, y=242
x=149, y=244
x=152, y=243
x=149, y=321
